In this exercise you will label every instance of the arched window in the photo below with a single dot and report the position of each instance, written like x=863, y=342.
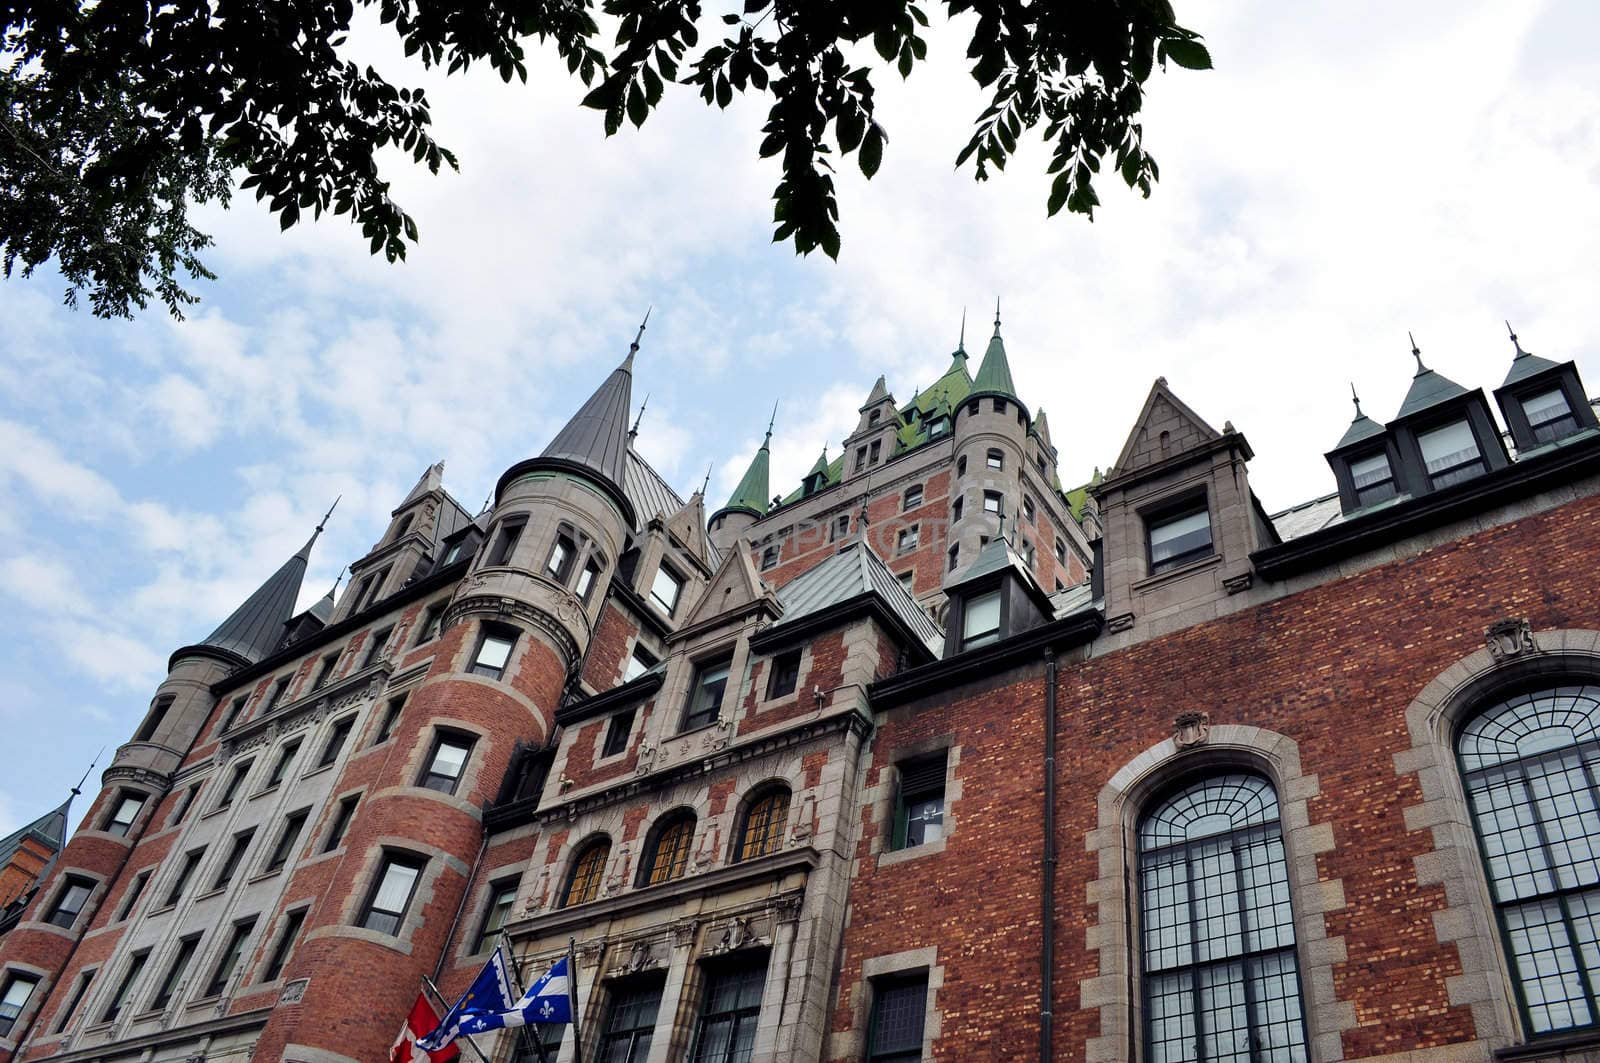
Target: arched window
x=588, y=868
x=666, y=856
x=1529, y=764
x=761, y=831
x=1220, y=977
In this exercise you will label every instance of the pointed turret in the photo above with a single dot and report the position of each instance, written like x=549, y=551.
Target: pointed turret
x=1523, y=364
x=432, y=480
x=1428, y=389
x=994, y=372
x=880, y=391
x=1362, y=428
x=255, y=629
x=1041, y=428
x=751, y=495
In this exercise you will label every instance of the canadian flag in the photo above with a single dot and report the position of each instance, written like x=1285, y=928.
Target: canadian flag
x=421, y=1022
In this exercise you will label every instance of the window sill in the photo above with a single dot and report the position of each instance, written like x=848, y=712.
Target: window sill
x=696, y=729
x=216, y=811
x=215, y=891
x=911, y=852
x=262, y=793
x=163, y=910
x=273, y=873
x=1172, y=575
x=319, y=769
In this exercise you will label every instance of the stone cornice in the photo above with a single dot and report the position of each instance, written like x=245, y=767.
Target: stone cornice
x=318, y=705
x=132, y=1046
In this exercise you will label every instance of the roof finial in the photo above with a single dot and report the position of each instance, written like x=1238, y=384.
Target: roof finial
x=771, y=421
x=1356, y=399
x=706, y=484
x=336, y=580
x=634, y=346
x=78, y=789
x=1416, y=352
x=305, y=551
x=961, y=344
x=634, y=431
x=997, y=315
x=1520, y=352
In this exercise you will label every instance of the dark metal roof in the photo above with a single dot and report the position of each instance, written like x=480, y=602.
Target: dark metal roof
x=256, y=628
x=596, y=438
x=853, y=571
x=1363, y=427
x=1428, y=389
x=1525, y=365
x=648, y=492
x=50, y=828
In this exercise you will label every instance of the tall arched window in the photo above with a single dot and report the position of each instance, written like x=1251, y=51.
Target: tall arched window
x=666, y=855
x=1530, y=764
x=1220, y=977
x=761, y=832
x=588, y=867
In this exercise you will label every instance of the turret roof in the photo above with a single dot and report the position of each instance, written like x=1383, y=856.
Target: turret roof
x=596, y=437
x=994, y=372
x=751, y=494
x=254, y=630
x=1428, y=389
x=1524, y=365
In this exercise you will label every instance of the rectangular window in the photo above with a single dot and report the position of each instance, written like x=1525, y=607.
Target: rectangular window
x=391, y=716
x=1180, y=539
x=618, y=728
x=769, y=558
x=549, y=1035
x=1061, y=552
x=336, y=741
x=561, y=554
x=899, y=1007
x=919, y=805
x=908, y=580
x=231, y=956
x=452, y=555
x=131, y=898
x=341, y=823
x=587, y=578
x=70, y=901
x=640, y=661
x=980, y=620
x=175, y=972
x=906, y=540
x=230, y=865
x=292, y=826
x=236, y=780
x=705, y=697
x=432, y=620
x=1027, y=509
x=285, y=946
x=280, y=767
x=955, y=557
x=505, y=543
x=234, y=710
x=955, y=509
x=185, y=802
x=154, y=719
x=785, y=675
x=994, y=502
x=494, y=650
x=377, y=588
x=385, y=910
x=666, y=589
x=126, y=811
x=994, y=459
x=191, y=860
x=1372, y=478
x=19, y=987
x=913, y=497
x=631, y=1021
x=274, y=695
x=729, y=1010
x=873, y=451
x=1548, y=415
x=1451, y=454
x=446, y=762
x=130, y=977
x=861, y=458
x=938, y=428
x=79, y=988
x=325, y=670
x=842, y=525
x=375, y=646
x=502, y=895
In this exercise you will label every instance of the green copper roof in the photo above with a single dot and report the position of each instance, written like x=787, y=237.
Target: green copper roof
x=1428, y=389
x=821, y=466
x=994, y=372
x=751, y=494
x=1363, y=427
x=1525, y=365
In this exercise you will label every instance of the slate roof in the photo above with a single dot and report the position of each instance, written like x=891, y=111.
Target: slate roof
x=255, y=629
x=854, y=571
x=1307, y=517
x=648, y=492
x=50, y=828
x=597, y=435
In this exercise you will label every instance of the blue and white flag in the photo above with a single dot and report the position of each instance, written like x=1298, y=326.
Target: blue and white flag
x=485, y=1006
x=548, y=1000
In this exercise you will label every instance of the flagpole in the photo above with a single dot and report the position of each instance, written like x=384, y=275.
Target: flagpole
x=572, y=997
x=516, y=981
x=445, y=1004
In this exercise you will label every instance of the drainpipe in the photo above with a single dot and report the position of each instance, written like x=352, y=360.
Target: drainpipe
x=1047, y=898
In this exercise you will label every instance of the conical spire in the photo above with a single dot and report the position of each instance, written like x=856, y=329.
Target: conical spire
x=432, y=480
x=994, y=372
x=880, y=391
x=323, y=609
x=256, y=628
x=1363, y=427
x=1523, y=364
x=1428, y=388
x=821, y=466
x=751, y=494
x=596, y=438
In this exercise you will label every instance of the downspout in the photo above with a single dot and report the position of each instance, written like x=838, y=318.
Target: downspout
x=1047, y=898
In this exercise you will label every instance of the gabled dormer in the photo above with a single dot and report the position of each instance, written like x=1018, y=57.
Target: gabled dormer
x=995, y=598
x=1179, y=518
x=1543, y=402
x=407, y=548
x=1443, y=434
x=873, y=441
x=1365, y=463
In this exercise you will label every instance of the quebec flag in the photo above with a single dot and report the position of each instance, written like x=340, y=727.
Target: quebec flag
x=483, y=1007
x=548, y=1000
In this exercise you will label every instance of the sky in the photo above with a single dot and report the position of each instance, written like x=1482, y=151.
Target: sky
x=1347, y=173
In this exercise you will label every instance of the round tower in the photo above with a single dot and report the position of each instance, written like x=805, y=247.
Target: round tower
x=514, y=636
x=990, y=433
x=748, y=503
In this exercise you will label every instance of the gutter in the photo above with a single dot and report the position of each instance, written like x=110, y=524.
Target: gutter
x=1075, y=630
x=1047, y=898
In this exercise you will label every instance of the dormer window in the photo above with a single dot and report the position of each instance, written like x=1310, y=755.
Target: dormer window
x=872, y=418
x=938, y=428
x=980, y=620
x=705, y=699
x=1549, y=415
x=666, y=589
x=1373, y=479
x=1180, y=538
x=873, y=451
x=861, y=458
x=1450, y=454
x=452, y=555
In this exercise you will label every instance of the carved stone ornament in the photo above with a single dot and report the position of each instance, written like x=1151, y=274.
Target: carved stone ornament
x=1235, y=584
x=786, y=909
x=541, y=887
x=1121, y=622
x=717, y=737
x=802, y=820
x=1509, y=639
x=684, y=932
x=617, y=881
x=647, y=757
x=589, y=952
x=710, y=845
x=1190, y=729
x=735, y=934
x=294, y=992
x=641, y=957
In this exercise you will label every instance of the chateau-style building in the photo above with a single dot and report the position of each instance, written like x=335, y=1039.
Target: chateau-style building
x=926, y=758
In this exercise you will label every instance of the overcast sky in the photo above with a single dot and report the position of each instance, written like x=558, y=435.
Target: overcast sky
x=1348, y=172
